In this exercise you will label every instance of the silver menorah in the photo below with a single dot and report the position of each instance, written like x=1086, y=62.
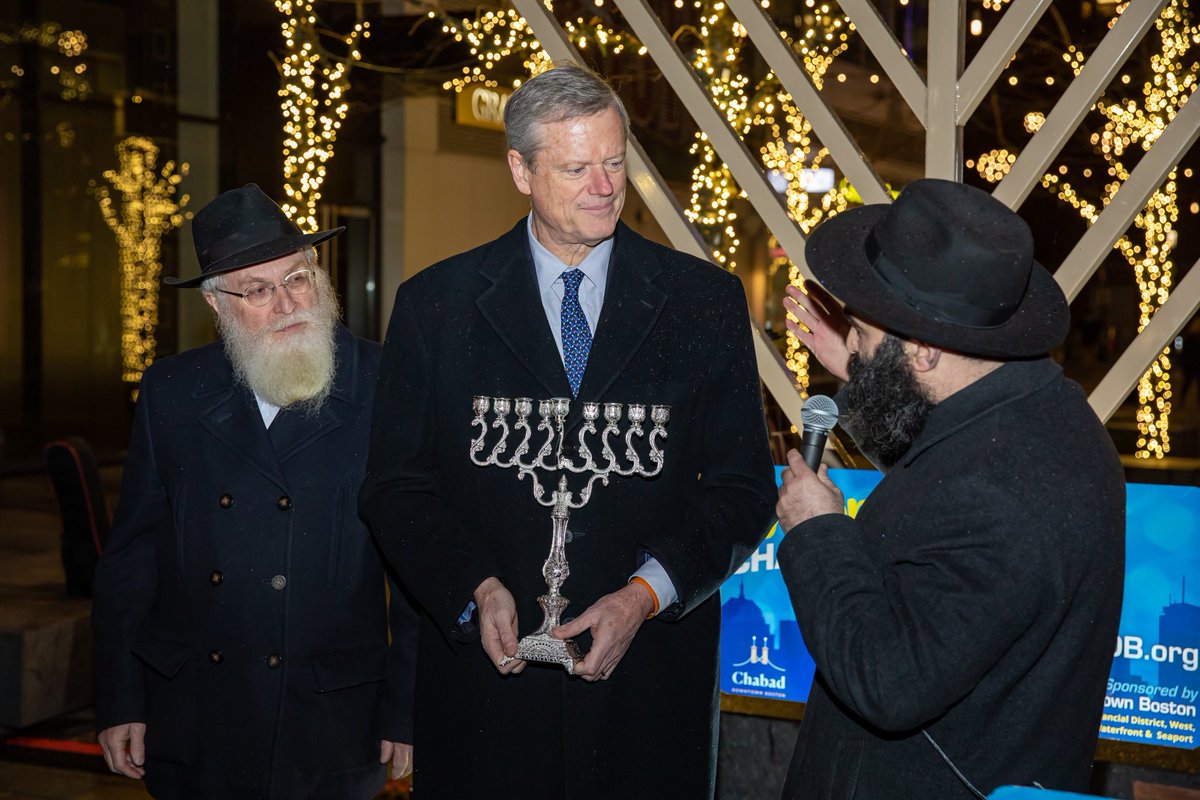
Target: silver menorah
x=541, y=645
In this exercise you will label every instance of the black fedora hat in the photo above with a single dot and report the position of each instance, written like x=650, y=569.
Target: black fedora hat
x=241, y=228
x=946, y=264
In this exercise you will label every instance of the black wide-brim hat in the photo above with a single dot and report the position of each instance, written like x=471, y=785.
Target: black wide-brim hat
x=946, y=264
x=241, y=228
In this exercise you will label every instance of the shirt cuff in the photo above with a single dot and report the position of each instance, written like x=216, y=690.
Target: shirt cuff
x=656, y=578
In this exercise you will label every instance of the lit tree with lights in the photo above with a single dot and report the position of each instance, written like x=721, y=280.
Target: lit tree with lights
x=789, y=149
x=147, y=209
x=313, y=87
x=716, y=59
x=760, y=112
x=1132, y=125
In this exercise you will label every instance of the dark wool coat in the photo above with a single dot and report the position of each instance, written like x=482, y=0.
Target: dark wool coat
x=975, y=596
x=673, y=329
x=240, y=604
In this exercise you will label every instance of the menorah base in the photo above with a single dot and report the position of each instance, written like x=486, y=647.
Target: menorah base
x=545, y=648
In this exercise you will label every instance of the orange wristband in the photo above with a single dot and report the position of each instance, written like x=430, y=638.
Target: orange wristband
x=650, y=589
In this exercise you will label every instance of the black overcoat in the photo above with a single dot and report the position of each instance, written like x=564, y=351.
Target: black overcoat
x=673, y=329
x=975, y=596
x=240, y=604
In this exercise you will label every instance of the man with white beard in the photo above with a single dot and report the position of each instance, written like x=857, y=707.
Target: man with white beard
x=247, y=645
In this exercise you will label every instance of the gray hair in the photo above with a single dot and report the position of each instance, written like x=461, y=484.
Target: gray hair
x=212, y=284
x=567, y=91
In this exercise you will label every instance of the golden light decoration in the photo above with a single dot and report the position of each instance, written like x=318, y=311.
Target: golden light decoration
x=713, y=189
x=1034, y=121
x=1074, y=59
x=147, y=211
x=766, y=112
x=70, y=75
x=1132, y=125
x=72, y=43
x=313, y=87
x=796, y=355
x=495, y=35
x=763, y=111
x=995, y=164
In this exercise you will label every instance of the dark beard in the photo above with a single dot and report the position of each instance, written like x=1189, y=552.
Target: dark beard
x=886, y=408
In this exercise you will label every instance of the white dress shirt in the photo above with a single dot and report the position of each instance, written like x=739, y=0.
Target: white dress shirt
x=268, y=411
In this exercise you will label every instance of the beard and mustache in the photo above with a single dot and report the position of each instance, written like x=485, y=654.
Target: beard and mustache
x=886, y=408
x=295, y=372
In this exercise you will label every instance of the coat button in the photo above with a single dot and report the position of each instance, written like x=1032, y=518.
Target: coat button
x=273, y=661
x=216, y=657
x=226, y=501
x=278, y=582
x=216, y=579
x=284, y=503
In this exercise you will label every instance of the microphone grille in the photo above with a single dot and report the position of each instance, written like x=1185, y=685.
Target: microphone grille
x=819, y=412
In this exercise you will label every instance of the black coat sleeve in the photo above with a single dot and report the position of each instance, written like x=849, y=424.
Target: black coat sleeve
x=730, y=508
x=396, y=717
x=126, y=583
x=439, y=560
x=900, y=643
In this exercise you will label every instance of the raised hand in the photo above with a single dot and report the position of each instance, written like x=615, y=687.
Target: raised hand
x=820, y=325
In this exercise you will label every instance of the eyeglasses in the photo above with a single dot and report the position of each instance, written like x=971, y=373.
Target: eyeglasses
x=260, y=294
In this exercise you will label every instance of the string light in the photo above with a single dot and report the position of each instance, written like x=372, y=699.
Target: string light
x=313, y=88
x=765, y=112
x=147, y=211
x=494, y=36
x=1132, y=125
x=995, y=164
x=73, y=83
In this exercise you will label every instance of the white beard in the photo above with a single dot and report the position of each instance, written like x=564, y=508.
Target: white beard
x=297, y=371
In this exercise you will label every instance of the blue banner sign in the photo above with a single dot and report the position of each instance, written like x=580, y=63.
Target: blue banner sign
x=1155, y=679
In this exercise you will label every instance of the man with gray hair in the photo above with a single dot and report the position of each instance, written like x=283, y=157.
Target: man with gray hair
x=241, y=616
x=568, y=304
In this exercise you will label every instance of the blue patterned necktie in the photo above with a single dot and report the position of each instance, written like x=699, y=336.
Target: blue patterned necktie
x=576, y=336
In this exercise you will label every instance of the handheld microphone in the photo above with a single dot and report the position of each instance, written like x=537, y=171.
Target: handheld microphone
x=818, y=416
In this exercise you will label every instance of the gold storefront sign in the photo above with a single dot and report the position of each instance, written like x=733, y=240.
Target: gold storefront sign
x=481, y=107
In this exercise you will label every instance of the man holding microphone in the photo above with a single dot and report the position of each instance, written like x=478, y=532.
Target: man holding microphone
x=962, y=623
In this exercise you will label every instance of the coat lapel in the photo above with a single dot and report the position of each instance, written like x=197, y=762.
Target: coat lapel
x=512, y=306
x=230, y=413
x=292, y=431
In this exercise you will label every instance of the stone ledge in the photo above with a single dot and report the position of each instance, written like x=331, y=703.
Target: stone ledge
x=45, y=654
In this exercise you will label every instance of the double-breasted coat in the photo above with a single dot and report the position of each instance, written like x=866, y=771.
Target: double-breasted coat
x=673, y=330
x=240, y=606
x=975, y=597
